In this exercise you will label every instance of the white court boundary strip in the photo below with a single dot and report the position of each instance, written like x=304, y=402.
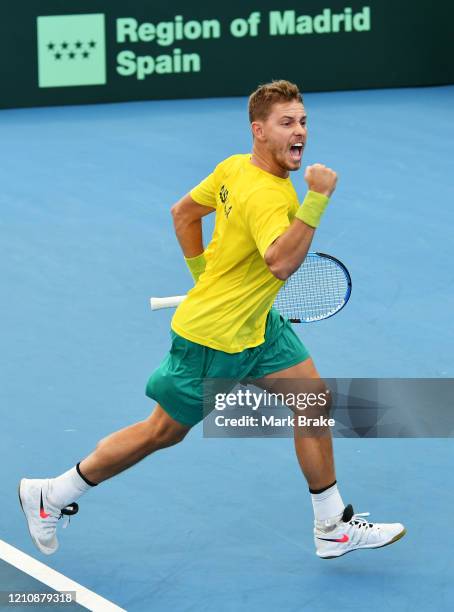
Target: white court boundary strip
x=53, y=579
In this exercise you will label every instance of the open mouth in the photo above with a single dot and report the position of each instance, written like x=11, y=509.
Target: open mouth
x=296, y=151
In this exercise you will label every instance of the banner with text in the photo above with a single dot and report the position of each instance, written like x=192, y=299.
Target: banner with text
x=68, y=52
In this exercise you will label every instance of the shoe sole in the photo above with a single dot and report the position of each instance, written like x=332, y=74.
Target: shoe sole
x=395, y=539
x=28, y=526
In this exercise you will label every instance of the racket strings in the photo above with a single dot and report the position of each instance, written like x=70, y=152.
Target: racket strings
x=317, y=290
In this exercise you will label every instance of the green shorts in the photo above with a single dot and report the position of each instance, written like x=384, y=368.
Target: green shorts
x=177, y=384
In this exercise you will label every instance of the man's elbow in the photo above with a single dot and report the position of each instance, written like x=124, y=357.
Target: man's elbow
x=175, y=211
x=281, y=272
x=277, y=266
x=178, y=216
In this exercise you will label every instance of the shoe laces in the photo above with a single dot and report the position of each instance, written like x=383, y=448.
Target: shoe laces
x=357, y=519
x=67, y=512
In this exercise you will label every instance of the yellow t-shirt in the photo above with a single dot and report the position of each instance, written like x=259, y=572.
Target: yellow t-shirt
x=227, y=308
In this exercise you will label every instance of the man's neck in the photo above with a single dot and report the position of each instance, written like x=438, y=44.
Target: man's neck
x=264, y=162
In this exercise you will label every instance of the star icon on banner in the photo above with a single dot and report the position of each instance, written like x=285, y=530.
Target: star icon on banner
x=67, y=50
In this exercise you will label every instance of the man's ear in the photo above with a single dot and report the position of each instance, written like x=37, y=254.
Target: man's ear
x=257, y=130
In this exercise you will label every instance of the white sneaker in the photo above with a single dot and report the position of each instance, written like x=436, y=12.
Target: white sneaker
x=42, y=517
x=352, y=532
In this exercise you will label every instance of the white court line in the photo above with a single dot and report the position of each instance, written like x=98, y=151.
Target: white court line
x=86, y=598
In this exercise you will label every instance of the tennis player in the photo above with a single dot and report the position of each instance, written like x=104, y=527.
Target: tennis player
x=226, y=328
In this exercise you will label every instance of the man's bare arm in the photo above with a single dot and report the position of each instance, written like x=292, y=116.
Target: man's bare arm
x=187, y=220
x=285, y=255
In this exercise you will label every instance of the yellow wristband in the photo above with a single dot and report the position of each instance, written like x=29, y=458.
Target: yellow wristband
x=196, y=265
x=312, y=208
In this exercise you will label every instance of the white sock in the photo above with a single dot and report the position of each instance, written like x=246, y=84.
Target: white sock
x=67, y=488
x=328, y=505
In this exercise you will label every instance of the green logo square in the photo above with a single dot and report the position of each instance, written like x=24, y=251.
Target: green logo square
x=71, y=50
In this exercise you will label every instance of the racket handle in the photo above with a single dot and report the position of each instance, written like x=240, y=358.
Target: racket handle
x=166, y=302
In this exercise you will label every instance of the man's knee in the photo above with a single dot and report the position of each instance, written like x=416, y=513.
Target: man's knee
x=324, y=401
x=315, y=402
x=326, y=398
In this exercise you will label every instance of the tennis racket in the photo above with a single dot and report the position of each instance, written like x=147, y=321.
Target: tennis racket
x=319, y=289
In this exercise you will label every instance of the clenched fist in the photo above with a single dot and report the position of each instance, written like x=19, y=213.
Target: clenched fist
x=321, y=179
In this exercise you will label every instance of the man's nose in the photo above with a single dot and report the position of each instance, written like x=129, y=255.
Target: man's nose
x=300, y=130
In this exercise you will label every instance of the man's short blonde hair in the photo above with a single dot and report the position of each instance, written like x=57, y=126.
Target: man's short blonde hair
x=263, y=98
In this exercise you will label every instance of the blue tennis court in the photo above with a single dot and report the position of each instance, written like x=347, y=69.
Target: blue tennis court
x=86, y=238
